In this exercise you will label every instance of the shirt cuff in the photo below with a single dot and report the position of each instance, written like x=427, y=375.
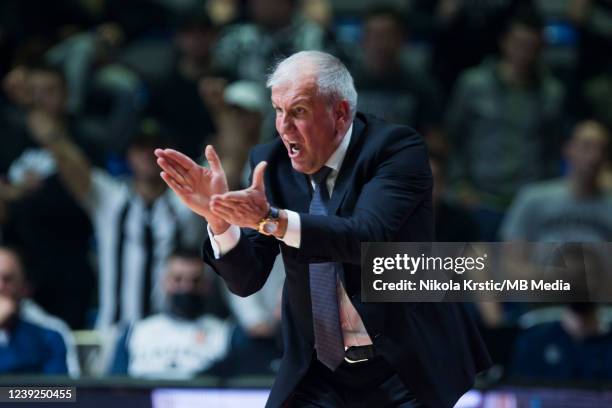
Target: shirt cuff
x=293, y=233
x=223, y=243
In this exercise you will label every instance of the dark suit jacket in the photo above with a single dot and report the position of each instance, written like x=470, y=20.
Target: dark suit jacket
x=382, y=194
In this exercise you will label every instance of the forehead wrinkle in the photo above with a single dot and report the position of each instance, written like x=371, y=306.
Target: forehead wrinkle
x=292, y=97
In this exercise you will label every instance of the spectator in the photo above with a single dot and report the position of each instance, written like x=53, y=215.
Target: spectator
x=137, y=223
x=574, y=208
x=461, y=32
x=389, y=85
x=25, y=347
x=189, y=120
x=245, y=51
x=184, y=339
x=503, y=125
x=578, y=347
x=40, y=216
x=238, y=109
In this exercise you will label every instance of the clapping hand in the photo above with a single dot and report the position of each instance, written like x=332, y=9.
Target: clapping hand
x=195, y=184
x=245, y=208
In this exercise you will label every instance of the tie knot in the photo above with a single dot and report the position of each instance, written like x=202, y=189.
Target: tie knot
x=321, y=175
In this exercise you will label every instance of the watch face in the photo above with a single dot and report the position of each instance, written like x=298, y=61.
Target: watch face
x=270, y=227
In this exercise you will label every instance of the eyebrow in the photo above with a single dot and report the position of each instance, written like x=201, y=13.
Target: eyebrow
x=298, y=101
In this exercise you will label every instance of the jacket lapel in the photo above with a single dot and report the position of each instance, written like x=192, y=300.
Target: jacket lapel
x=342, y=182
x=299, y=196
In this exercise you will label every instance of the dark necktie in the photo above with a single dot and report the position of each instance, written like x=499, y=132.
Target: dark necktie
x=148, y=246
x=323, y=295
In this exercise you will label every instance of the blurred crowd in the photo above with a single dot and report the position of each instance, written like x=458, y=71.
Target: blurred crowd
x=513, y=98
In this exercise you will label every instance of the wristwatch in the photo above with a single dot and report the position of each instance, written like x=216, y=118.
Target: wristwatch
x=269, y=224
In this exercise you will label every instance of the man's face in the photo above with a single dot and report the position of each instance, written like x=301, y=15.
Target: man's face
x=185, y=275
x=587, y=150
x=195, y=43
x=143, y=162
x=382, y=40
x=310, y=125
x=11, y=276
x=271, y=13
x=521, y=46
x=48, y=92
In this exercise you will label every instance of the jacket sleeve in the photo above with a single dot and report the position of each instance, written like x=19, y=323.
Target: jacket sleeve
x=247, y=266
x=398, y=182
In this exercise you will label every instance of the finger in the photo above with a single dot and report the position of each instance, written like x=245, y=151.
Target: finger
x=180, y=159
x=173, y=170
x=233, y=196
x=258, y=176
x=226, y=213
x=175, y=185
x=242, y=207
x=213, y=159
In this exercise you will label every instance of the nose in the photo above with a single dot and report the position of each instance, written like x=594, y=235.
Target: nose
x=284, y=124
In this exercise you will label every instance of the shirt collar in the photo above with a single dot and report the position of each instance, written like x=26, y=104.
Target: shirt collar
x=335, y=160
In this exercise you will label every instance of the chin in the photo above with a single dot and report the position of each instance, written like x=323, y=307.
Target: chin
x=302, y=168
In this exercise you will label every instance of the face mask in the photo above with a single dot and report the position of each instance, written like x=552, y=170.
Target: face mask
x=186, y=305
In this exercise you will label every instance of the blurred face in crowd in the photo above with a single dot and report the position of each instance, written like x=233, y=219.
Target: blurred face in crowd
x=272, y=14
x=185, y=275
x=17, y=88
x=12, y=283
x=521, y=46
x=310, y=125
x=587, y=150
x=185, y=286
x=195, y=42
x=142, y=162
x=382, y=41
x=48, y=92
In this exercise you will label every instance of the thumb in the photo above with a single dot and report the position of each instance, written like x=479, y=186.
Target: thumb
x=258, y=176
x=213, y=159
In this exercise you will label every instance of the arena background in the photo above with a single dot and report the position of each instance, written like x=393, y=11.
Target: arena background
x=513, y=98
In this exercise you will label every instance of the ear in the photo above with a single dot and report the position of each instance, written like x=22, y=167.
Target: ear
x=342, y=114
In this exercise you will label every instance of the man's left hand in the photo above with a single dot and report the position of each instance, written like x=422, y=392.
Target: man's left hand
x=244, y=208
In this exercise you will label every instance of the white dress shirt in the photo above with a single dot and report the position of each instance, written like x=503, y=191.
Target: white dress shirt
x=353, y=329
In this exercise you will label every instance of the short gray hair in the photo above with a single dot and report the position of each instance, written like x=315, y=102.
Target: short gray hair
x=333, y=78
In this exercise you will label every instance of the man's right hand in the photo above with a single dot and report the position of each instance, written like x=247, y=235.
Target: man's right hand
x=195, y=184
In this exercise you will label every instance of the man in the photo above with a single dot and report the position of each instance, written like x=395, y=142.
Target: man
x=504, y=125
x=184, y=339
x=137, y=223
x=246, y=50
x=390, y=86
x=575, y=208
x=191, y=121
x=25, y=347
x=367, y=354
x=42, y=218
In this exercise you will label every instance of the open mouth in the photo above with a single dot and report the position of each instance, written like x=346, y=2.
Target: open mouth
x=294, y=149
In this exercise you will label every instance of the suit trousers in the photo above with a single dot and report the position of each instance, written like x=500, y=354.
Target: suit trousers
x=369, y=384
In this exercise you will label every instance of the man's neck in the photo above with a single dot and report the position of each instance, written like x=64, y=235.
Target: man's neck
x=193, y=69
x=149, y=190
x=583, y=187
x=513, y=76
